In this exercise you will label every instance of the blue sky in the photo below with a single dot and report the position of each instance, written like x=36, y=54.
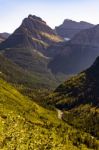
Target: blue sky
x=12, y=12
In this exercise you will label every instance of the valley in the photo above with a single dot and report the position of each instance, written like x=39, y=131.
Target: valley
x=49, y=87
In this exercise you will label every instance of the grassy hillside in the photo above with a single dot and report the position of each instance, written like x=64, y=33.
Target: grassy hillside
x=25, y=125
x=25, y=80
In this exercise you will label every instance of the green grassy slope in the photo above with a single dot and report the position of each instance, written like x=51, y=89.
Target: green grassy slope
x=25, y=125
x=18, y=76
x=28, y=83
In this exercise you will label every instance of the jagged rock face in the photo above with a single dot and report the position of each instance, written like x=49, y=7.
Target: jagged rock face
x=33, y=33
x=87, y=37
x=70, y=28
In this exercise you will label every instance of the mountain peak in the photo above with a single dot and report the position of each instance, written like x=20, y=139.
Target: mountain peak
x=33, y=33
x=33, y=18
x=69, y=28
x=87, y=37
x=76, y=24
x=68, y=20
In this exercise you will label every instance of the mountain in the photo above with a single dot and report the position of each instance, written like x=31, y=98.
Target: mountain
x=78, y=97
x=33, y=33
x=1, y=39
x=73, y=58
x=77, y=54
x=27, y=47
x=3, y=36
x=87, y=37
x=35, y=47
x=70, y=28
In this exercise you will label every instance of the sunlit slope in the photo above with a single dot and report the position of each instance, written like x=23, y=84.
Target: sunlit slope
x=26, y=125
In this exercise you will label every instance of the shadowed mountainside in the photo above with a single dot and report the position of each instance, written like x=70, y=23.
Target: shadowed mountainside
x=77, y=54
x=78, y=98
x=70, y=28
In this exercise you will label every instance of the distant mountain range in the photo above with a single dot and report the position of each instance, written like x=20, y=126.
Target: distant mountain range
x=35, y=47
x=70, y=28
